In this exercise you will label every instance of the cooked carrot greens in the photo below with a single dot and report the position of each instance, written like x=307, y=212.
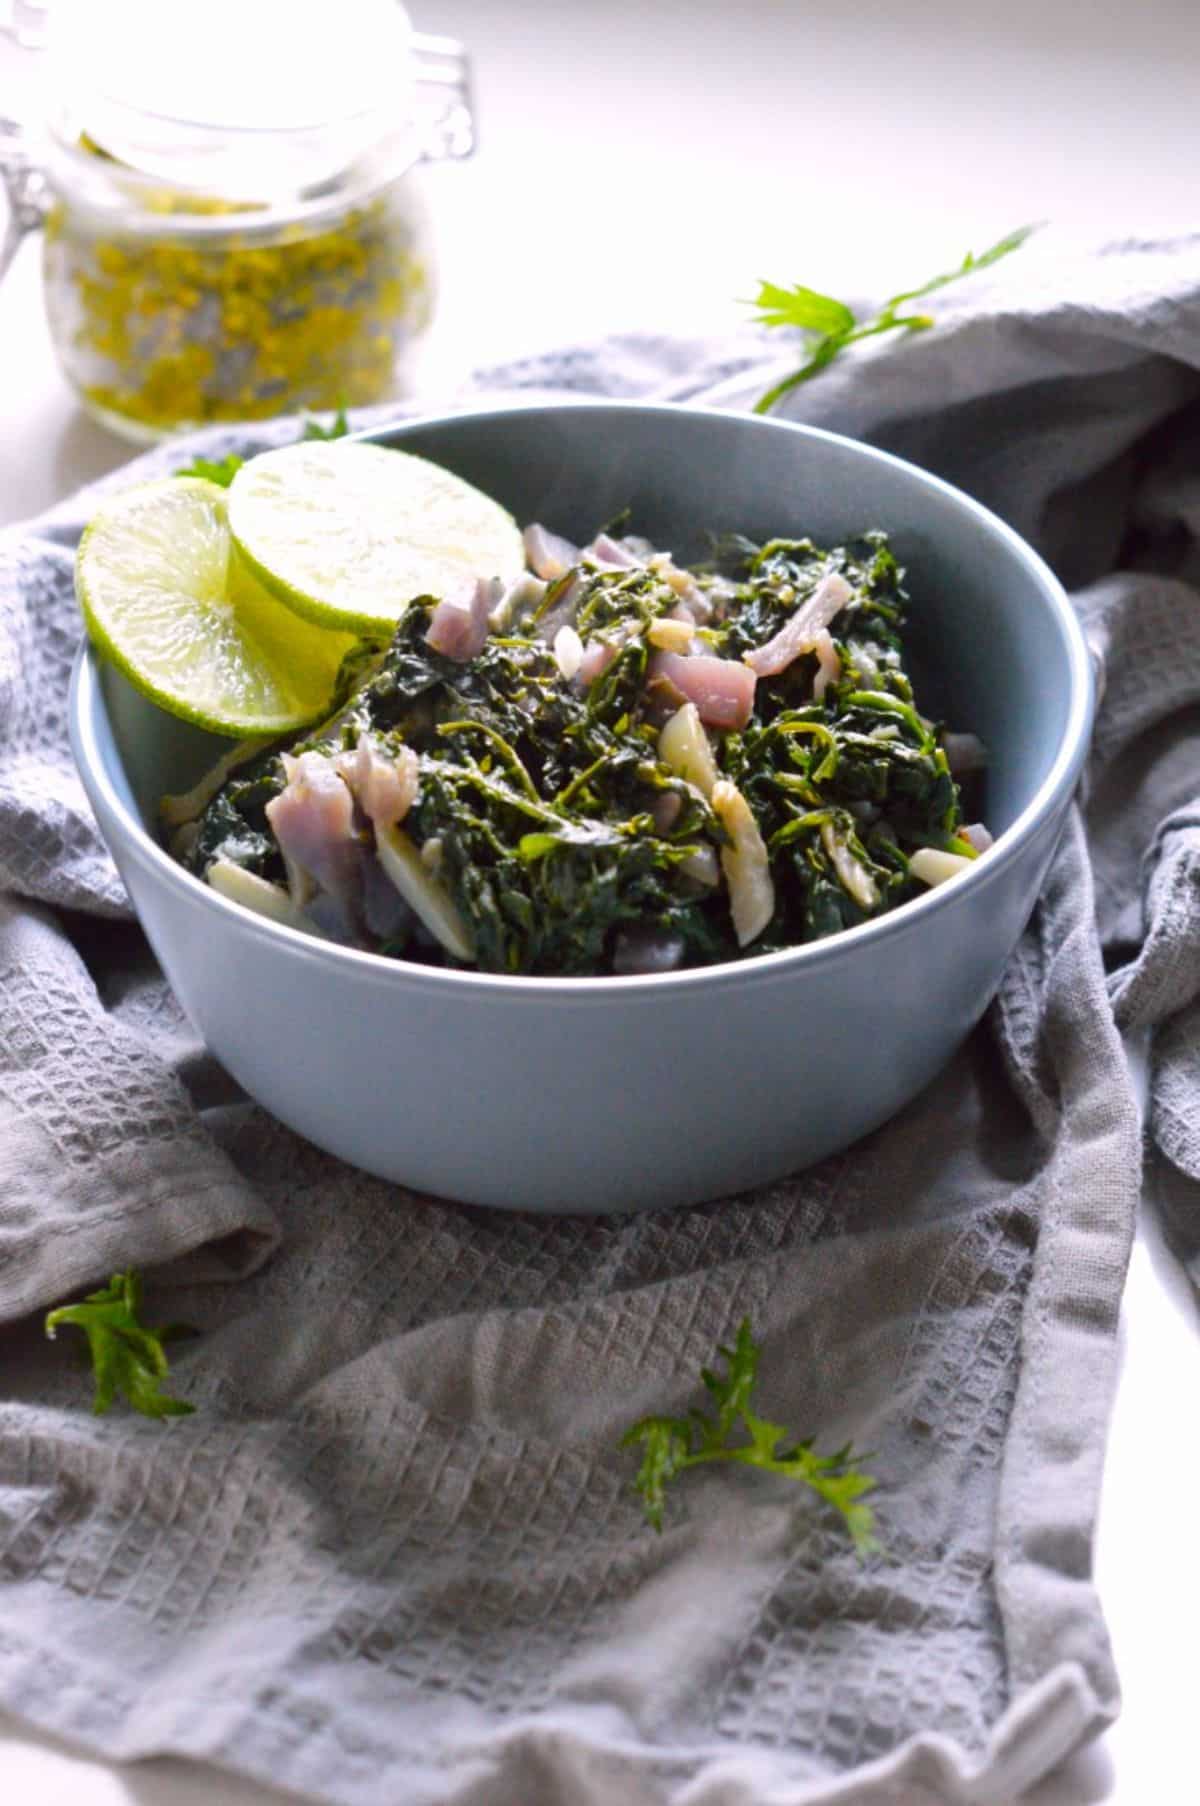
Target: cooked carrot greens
x=614, y=766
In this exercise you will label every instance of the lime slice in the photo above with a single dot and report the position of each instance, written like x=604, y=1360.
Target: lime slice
x=348, y=535
x=166, y=597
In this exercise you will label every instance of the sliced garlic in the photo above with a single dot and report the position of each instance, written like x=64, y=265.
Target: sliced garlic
x=852, y=875
x=425, y=895
x=568, y=651
x=671, y=635
x=231, y=880
x=684, y=746
x=932, y=866
x=745, y=863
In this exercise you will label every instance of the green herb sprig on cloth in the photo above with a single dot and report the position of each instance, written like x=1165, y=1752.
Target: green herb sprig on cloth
x=672, y=1444
x=836, y=326
x=126, y=1356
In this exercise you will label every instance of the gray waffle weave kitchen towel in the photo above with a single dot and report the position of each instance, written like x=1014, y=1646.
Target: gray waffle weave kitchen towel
x=395, y=1554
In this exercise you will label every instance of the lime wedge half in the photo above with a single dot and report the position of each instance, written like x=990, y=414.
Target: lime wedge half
x=166, y=597
x=348, y=535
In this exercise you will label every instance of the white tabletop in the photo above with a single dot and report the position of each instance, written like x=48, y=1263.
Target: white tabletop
x=642, y=163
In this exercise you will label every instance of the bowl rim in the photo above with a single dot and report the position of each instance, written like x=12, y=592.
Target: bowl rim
x=86, y=700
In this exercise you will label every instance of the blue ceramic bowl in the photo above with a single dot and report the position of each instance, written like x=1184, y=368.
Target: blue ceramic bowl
x=630, y=1093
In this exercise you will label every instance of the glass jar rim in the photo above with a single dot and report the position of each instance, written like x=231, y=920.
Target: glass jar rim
x=251, y=67
x=151, y=205
x=267, y=103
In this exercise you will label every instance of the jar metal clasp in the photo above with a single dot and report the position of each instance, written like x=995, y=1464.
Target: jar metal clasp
x=26, y=190
x=445, y=105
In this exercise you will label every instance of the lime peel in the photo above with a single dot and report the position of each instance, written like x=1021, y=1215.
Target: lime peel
x=167, y=599
x=348, y=534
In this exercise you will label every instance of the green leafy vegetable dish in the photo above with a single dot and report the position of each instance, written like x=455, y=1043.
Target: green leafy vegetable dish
x=613, y=765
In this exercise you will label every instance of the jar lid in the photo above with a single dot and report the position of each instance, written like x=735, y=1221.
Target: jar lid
x=249, y=99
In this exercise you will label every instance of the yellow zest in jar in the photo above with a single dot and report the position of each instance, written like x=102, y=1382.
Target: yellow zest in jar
x=158, y=332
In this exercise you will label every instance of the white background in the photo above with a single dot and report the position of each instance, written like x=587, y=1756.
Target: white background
x=642, y=163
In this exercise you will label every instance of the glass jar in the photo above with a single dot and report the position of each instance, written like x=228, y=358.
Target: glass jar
x=236, y=247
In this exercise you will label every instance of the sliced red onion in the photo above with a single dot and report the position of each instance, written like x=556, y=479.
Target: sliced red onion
x=614, y=552
x=643, y=549
x=799, y=633
x=385, y=786
x=598, y=655
x=549, y=555
x=461, y=622
x=313, y=822
x=721, y=688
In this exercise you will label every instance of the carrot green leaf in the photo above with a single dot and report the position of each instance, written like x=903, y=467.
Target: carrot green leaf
x=223, y=470
x=835, y=325
x=338, y=427
x=670, y=1445
x=127, y=1358
x=214, y=470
